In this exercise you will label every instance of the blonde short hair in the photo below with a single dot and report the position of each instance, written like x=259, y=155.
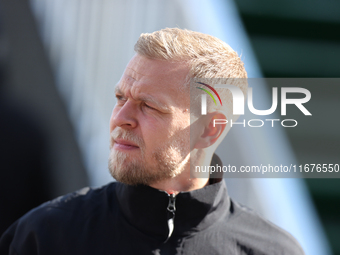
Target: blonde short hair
x=209, y=57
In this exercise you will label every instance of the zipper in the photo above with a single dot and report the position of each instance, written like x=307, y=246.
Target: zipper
x=171, y=209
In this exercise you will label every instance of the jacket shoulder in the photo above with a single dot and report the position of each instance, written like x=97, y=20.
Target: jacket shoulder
x=63, y=216
x=83, y=202
x=254, y=233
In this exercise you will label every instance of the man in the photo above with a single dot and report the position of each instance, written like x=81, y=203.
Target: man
x=157, y=206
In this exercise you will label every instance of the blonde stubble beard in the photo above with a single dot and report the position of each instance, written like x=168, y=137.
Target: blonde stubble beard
x=170, y=160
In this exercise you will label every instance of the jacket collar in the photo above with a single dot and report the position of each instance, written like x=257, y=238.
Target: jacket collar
x=145, y=208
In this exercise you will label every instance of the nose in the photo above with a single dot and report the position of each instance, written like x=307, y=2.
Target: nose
x=124, y=116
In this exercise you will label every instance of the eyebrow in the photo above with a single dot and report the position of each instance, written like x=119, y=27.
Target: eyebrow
x=148, y=98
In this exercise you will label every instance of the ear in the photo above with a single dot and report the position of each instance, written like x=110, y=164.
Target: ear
x=212, y=129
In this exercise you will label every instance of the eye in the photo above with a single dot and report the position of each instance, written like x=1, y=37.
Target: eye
x=120, y=99
x=148, y=106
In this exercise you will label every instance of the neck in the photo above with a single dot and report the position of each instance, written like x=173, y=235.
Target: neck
x=186, y=180
x=176, y=185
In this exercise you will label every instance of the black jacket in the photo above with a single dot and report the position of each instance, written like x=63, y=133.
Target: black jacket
x=122, y=219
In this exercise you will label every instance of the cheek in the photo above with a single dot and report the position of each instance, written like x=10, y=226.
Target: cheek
x=154, y=132
x=181, y=122
x=150, y=127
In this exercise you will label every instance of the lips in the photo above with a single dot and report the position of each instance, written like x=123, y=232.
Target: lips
x=122, y=144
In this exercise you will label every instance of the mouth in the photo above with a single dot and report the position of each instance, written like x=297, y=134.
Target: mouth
x=124, y=145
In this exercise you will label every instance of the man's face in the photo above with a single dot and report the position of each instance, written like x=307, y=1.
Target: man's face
x=149, y=125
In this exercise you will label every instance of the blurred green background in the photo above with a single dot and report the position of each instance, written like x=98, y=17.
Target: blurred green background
x=302, y=39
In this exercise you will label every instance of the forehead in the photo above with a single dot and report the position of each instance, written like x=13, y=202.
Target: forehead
x=151, y=76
